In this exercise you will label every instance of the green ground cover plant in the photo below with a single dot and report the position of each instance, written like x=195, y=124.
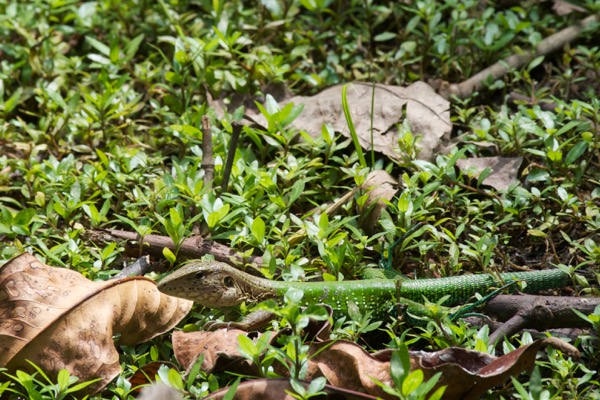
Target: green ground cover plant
x=101, y=107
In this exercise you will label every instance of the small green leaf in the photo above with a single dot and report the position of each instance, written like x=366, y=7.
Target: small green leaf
x=194, y=371
x=103, y=158
x=223, y=211
x=62, y=379
x=316, y=312
x=562, y=193
x=230, y=395
x=258, y=229
x=534, y=63
x=60, y=210
x=247, y=347
x=568, y=127
x=75, y=192
x=353, y=311
x=99, y=59
x=108, y=250
x=291, y=112
x=169, y=255
x=327, y=277
x=352, y=129
x=536, y=232
x=412, y=382
x=297, y=190
x=385, y=36
x=520, y=389
x=316, y=385
x=323, y=224
x=101, y=47
x=24, y=217
x=213, y=219
x=400, y=365
x=298, y=387
x=328, y=133
x=92, y=212
x=294, y=296
x=535, y=383
x=481, y=346
x=439, y=393
x=174, y=379
x=132, y=47
x=40, y=199
x=114, y=53
x=404, y=202
x=484, y=174
x=554, y=155
x=576, y=152
x=78, y=387
x=271, y=105
x=4, y=228
x=13, y=100
x=174, y=78
x=188, y=129
x=176, y=214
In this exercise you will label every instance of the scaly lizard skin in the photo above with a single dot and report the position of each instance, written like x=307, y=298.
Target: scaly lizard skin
x=217, y=285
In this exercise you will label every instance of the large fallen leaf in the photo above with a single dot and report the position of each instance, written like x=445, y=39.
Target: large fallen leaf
x=60, y=320
x=219, y=349
x=503, y=170
x=281, y=389
x=467, y=374
x=427, y=114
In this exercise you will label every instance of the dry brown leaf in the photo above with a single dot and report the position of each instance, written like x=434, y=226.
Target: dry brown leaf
x=219, y=349
x=468, y=374
x=427, y=113
x=347, y=365
x=562, y=7
x=504, y=170
x=58, y=319
x=277, y=389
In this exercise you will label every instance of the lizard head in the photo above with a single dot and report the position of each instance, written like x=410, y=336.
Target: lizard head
x=210, y=283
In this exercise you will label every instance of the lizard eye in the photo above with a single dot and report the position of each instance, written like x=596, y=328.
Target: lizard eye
x=228, y=281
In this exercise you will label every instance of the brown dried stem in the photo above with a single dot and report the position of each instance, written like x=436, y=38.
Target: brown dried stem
x=208, y=163
x=550, y=44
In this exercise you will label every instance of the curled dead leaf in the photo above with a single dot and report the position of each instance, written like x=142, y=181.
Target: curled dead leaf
x=349, y=366
x=58, y=319
x=219, y=349
x=280, y=389
x=467, y=374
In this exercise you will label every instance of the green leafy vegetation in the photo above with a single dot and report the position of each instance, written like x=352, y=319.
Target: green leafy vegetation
x=100, y=127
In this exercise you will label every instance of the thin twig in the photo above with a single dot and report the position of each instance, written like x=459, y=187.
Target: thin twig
x=499, y=69
x=191, y=247
x=235, y=135
x=208, y=164
x=140, y=267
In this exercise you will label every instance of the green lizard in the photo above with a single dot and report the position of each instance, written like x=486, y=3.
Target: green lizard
x=217, y=285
